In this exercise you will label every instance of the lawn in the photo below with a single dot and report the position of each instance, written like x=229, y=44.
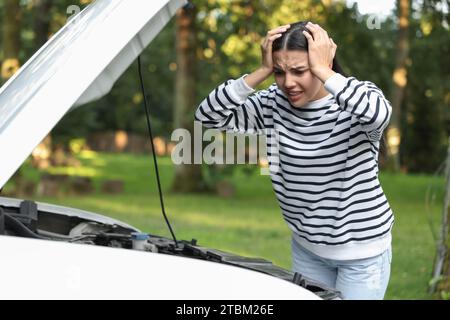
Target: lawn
x=249, y=223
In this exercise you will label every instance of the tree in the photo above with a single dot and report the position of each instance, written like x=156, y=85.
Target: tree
x=399, y=82
x=426, y=122
x=12, y=16
x=441, y=274
x=41, y=24
x=188, y=177
x=42, y=18
x=11, y=38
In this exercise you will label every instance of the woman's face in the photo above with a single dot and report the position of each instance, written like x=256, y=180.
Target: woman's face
x=295, y=79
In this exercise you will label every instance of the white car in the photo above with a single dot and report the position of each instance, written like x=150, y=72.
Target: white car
x=54, y=252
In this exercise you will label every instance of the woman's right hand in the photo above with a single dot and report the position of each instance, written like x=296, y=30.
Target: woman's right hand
x=266, y=46
x=258, y=76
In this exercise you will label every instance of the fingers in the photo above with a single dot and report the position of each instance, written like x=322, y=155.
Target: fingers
x=333, y=47
x=267, y=42
x=266, y=45
x=313, y=30
x=274, y=34
x=278, y=30
x=332, y=52
x=322, y=48
x=308, y=36
x=333, y=44
x=318, y=33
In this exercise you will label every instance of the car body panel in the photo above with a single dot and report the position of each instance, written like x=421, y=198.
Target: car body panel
x=90, y=272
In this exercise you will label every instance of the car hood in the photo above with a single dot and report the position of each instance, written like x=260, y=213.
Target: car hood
x=77, y=65
x=52, y=270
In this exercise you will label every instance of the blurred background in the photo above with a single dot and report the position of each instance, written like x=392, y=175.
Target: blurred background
x=97, y=158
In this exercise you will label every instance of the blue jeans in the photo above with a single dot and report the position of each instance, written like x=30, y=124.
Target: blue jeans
x=359, y=279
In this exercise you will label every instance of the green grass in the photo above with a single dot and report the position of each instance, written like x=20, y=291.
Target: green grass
x=250, y=223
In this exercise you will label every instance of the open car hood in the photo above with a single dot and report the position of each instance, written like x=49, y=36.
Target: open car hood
x=77, y=65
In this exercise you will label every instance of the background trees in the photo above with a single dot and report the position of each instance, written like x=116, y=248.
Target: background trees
x=12, y=18
x=224, y=43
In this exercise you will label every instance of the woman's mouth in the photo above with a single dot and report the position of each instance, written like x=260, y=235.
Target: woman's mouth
x=294, y=95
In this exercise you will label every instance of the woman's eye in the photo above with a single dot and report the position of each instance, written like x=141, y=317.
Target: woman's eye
x=278, y=72
x=299, y=72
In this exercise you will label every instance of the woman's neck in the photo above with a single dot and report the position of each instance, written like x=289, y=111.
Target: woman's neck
x=320, y=94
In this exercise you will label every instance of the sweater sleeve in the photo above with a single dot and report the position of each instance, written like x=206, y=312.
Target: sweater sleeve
x=230, y=107
x=364, y=100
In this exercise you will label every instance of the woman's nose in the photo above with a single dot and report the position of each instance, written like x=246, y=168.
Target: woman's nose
x=289, y=81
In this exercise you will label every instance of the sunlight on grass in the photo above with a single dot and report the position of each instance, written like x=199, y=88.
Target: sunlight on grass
x=92, y=158
x=88, y=154
x=74, y=171
x=203, y=220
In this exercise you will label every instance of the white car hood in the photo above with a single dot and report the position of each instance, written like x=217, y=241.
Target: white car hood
x=77, y=65
x=73, y=271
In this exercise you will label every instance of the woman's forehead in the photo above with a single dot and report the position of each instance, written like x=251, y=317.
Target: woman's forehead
x=288, y=59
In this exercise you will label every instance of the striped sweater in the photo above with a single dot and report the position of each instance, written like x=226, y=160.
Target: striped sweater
x=323, y=160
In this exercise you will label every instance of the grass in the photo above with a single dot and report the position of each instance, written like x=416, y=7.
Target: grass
x=250, y=223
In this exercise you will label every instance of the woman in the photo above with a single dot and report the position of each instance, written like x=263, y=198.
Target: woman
x=324, y=169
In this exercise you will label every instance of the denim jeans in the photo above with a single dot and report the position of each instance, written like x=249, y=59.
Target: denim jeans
x=359, y=279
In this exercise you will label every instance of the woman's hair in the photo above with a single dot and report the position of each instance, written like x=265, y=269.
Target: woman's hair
x=294, y=39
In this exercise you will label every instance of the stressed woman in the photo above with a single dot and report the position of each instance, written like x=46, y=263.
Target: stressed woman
x=323, y=134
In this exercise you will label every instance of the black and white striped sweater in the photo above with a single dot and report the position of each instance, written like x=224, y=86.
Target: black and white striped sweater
x=322, y=160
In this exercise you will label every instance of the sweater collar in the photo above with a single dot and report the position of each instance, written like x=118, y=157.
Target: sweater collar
x=316, y=104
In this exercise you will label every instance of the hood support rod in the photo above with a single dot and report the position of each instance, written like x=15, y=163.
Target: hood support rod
x=147, y=113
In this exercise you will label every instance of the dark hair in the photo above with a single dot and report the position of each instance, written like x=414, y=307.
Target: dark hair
x=294, y=39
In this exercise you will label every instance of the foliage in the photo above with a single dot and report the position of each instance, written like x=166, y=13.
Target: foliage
x=229, y=34
x=427, y=103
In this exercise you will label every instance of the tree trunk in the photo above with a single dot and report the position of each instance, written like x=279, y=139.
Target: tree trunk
x=441, y=274
x=11, y=38
x=399, y=78
x=41, y=22
x=188, y=177
x=11, y=47
x=43, y=152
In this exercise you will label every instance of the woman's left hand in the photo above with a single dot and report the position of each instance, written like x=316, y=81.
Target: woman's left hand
x=321, y=51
